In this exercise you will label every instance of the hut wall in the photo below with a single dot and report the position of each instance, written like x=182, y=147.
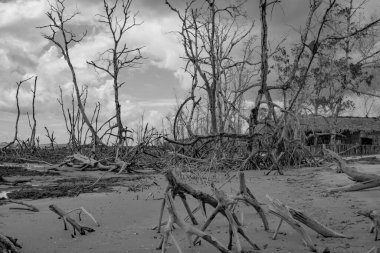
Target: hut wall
x=375, y=136
x=349, y=137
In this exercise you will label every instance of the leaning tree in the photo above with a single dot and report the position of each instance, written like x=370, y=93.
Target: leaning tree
x=63, y=38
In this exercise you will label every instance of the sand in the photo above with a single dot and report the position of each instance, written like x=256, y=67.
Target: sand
x=126, y=218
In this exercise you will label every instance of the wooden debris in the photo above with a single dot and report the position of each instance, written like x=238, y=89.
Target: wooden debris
x=279, y=209
x=374, y=215
x=189, y=230
x=315, y=225
x=162, y=210
x=28, y=206
x=8, y=244
x=248, y=198
x=374, y=250
x=357, y=187
x=66, y=218
x=350, y=171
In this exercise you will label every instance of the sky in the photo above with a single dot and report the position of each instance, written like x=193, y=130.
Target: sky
x=153, y=89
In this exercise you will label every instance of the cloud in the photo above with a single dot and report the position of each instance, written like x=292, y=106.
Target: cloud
x=12, y=12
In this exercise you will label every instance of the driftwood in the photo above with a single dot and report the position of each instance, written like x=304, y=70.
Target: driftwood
x=84, y=163
x=9, y=244
x=350, y=171
x=357, y=187
x=279, y=209
x=374, y=215
x=291, y=216
x=189, y=230
x=28, y=206
x=315, y=225
x=66, y=218
x=364, y=180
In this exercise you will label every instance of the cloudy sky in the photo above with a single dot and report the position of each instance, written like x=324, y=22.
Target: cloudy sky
x=152, y=89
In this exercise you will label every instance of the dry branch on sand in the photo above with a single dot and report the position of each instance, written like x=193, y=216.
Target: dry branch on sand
x=66, y=218
x=28, y=206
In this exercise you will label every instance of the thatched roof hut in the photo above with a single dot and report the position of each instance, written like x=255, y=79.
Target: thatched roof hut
x=350, y=124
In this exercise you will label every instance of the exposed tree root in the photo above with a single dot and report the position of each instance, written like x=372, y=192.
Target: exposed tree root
x=189, y=230
x=226, y=205
x=221, y=203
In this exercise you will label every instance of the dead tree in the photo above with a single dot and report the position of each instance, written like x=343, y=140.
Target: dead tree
x=50, y=136
x=61, y=36
x=209, y=33
x=264, y=61
x=120, y=56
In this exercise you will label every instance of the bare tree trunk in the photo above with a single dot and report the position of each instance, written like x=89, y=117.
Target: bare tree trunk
x=18, y=112
x=33, y=134
x=119, y=56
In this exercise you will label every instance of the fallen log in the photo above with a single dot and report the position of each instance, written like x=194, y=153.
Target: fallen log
x=66, y=218
x=350, y=171
x=357, y=187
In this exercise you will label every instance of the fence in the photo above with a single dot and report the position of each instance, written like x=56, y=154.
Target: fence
x=346, y=149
